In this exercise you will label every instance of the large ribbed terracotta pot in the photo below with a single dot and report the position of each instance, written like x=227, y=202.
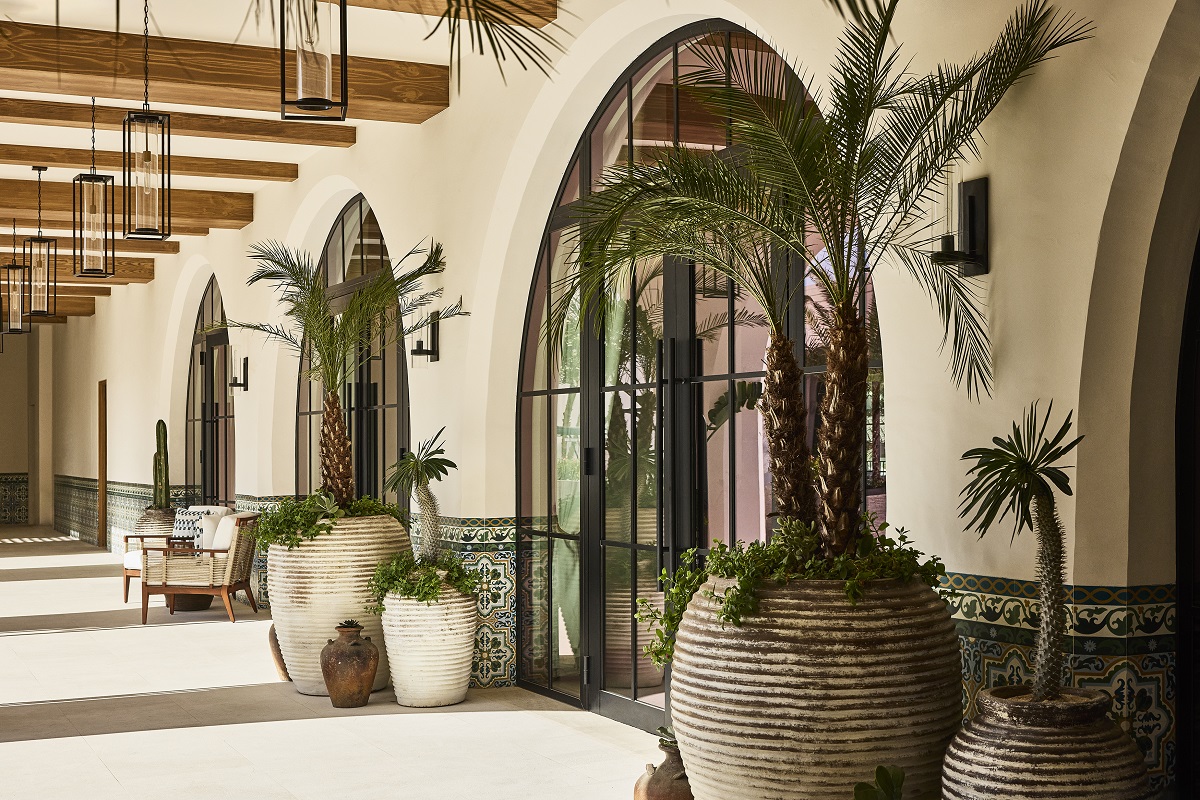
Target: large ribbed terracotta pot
x=430, y=647
x=619, y=629
x=321, y=582
x=1066, y=749
x=812, y=693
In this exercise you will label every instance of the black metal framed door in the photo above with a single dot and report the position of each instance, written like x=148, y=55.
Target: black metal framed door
x=216, y=422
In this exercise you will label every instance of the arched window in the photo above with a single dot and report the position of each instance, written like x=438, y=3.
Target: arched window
x=208, y=441
x=376, y=400
x=640, y=437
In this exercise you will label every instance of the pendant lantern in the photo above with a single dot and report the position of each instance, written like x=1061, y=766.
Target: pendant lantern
x=41, y=265
x=146, y=161
x=13, y=318
x=312, y=59
x=93, y=219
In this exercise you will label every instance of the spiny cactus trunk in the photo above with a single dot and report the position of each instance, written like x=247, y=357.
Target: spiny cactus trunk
x=840, y=437
x=783, y=413
x=430, y=543
x=337, y=464
x=1049, y=657
x=162, y=468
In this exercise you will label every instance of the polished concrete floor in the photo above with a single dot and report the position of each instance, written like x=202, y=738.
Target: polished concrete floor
x=93, y=705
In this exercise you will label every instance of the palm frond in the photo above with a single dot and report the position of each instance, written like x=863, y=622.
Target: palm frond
x=419, y=467
x=500, y=28
x=1006, y=477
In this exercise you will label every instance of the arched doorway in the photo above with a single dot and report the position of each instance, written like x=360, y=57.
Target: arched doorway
x=1187, y=552
x=376, y=400
x=209, y=438
x=640, y=438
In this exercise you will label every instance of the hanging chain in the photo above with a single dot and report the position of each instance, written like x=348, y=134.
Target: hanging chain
x=146, y=55
x=39, y=203
x=14, y=239
x=93, y=136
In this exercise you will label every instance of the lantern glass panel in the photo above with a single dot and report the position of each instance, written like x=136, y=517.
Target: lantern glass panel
x=14, y=300
x=94, y=211
x=314, y=35
x=41, y=257
x=146, y=172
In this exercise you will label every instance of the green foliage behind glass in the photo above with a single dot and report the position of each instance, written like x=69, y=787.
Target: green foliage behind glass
x=293, y=522
x=403, y=575
x=792, y=554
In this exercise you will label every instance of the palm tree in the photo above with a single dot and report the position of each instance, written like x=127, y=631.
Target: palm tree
x=411, y=476
x=337, y=342
x=1019, y=475
x=835, y=185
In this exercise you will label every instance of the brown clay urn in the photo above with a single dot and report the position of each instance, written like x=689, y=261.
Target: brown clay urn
x=349, y=664
x=669, y=780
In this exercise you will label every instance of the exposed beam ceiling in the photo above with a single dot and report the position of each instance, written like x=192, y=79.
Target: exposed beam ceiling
x=59, y=320
x=110, y=161
x=537, y=13
x=60, y=60
x=188, y=206
x=208, y=126
x=82, y=290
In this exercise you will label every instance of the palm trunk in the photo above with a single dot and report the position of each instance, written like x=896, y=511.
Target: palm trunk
x=430, y=543
x=337, y=463
x=1049, y=659
x=840, y=437
x=783, y=413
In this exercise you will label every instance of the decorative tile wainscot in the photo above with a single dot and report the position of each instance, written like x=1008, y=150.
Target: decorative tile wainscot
x=14, y=498
x=75, y=502
x=1122, y=641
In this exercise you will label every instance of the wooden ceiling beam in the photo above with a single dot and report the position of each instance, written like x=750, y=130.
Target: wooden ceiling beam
x=204, y=126
x=61, y=60
x=81, y=290
x=190, y=207
x=72, y=307
x=27, y=221
x=59, y=320
x=128, y=270
x=110, y=161
x=535, y=13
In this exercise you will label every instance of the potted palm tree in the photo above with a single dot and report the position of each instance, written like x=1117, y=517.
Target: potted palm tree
x=322, y=550
x=864, y=662
x=1044, y=740
x=428, y=600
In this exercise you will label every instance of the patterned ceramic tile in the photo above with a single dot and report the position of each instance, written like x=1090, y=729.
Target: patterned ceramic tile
x=1122, y=641
x=14, y=498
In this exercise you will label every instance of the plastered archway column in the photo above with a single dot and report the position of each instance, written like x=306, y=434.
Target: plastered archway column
x=1124, y=548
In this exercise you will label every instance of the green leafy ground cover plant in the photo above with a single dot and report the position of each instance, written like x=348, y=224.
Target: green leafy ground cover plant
x=295, y=521
x=793, y=553
x=405, y=576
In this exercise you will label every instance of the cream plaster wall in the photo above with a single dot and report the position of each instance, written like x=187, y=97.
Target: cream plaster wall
x=481, y=177
x=14, y=405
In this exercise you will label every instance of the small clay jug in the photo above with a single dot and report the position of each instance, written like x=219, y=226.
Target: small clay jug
x=277, y=656
x=349, y=664
x=667, y=782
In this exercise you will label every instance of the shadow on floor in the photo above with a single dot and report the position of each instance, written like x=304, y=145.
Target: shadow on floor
x=61, y=573
x=230, y=705
x=122, y=618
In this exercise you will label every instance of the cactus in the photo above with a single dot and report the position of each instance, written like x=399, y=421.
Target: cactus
x=162, y=469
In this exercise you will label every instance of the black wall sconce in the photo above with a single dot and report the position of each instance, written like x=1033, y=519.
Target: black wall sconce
x=973, y=259
x=433, y=351
x=243, y=382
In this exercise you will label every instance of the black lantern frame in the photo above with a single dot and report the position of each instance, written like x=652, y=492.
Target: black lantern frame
x=138, y=159
x=12, y=289
x=87, y=261
x=294, y=102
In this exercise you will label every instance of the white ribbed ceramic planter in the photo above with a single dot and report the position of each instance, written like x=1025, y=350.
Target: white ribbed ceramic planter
x=1066, y=749
x=321, y=582
x=430, y=647
x=811, y=694
x=619, y=630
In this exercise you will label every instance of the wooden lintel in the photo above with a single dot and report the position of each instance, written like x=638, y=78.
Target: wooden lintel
x=109, y=161
x=206, y=126
x=61, y=60
x=188, y=206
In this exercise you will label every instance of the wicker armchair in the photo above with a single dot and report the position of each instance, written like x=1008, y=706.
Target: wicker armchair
x=172, y=571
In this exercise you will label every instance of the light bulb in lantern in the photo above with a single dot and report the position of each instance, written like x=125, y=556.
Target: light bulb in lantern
x=314, y=57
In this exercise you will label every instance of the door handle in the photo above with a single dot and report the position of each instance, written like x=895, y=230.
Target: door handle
x=659, y=431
